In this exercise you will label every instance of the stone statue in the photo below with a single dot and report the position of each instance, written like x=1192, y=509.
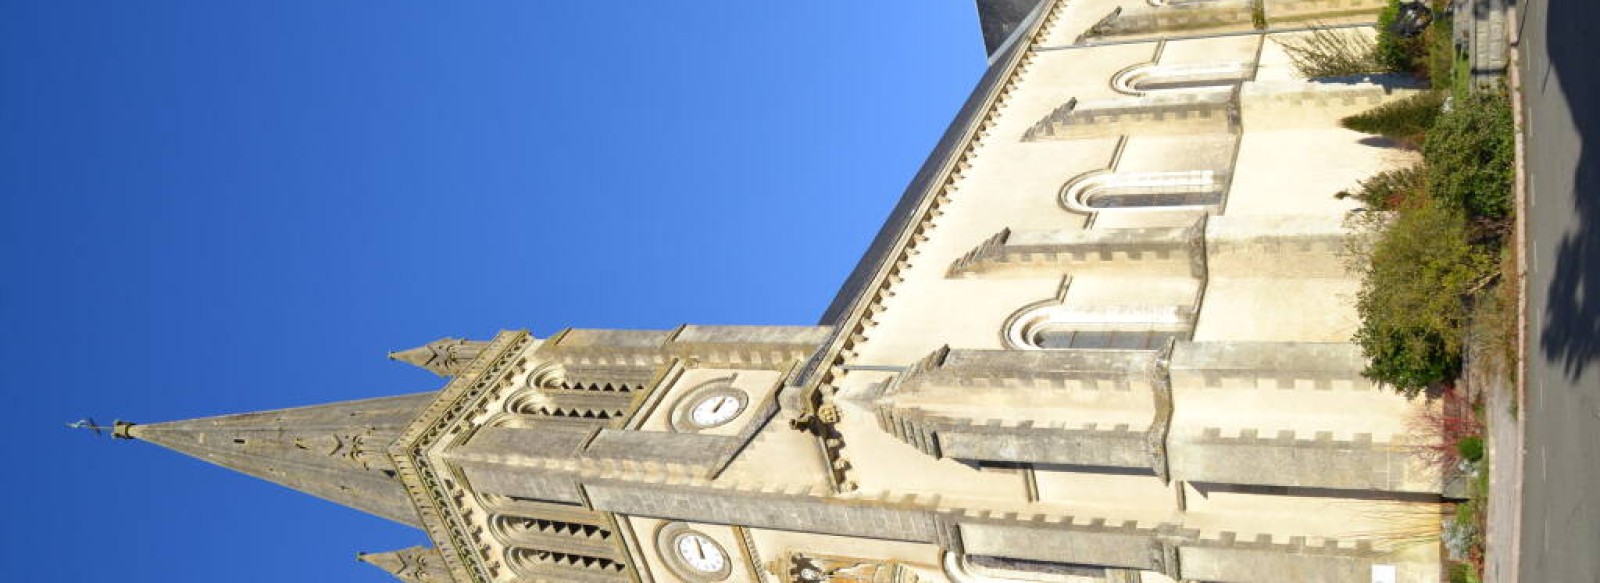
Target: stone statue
x=805, y=568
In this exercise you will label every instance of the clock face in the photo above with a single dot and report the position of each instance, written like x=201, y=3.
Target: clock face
x=715, y=410
x=708, y=407
x=701, y=553
x=693, y=555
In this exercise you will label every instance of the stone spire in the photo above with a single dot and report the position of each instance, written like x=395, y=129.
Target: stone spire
x=334, y=451
x=413, y=565
x=444, y=357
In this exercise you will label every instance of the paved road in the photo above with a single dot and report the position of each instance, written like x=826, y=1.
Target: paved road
x=1561, y=497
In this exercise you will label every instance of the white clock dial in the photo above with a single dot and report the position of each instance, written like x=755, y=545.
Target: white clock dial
x=692, y=555
x=716, y=410
x=701, y=553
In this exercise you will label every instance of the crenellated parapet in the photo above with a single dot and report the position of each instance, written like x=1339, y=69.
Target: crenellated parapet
x=1283, y=105
x=1283, y=246
x=1146, y=250
x=1318, y=366
x=1288, y=11
x=1099, y=408
x=1177, y=114
x=1286, y=416
x=1219, y=15
x=1093, y=541
x=981, y=375
x=1301, y=459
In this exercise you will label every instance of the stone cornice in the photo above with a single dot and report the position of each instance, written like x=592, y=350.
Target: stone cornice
x=460, y=399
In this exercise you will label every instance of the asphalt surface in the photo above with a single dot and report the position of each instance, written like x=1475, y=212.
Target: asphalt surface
x=1560, y=53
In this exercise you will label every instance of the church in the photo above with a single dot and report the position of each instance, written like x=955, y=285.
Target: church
x=1103, y=337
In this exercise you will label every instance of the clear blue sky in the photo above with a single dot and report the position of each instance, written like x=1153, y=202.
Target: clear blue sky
x=224, y=206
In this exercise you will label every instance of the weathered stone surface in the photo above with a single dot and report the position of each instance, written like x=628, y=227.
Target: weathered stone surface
x=335, y=452
x=767, y=510
x=691, y=449
x=1309, y=461
x=1110, y=547
x=443, y=357
x=413, y=565
x=522, y=483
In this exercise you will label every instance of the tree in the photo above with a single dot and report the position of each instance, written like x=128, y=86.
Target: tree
x=1420, y=269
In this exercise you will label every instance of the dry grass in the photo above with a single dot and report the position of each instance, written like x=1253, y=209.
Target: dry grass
x=1494, y=332
x=1329, y=52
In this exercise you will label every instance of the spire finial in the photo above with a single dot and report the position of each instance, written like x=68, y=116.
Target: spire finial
x=119, y=428
x=88, y=423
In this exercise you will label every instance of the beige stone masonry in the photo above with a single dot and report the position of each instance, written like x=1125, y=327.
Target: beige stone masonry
x=1281, y=12
x=1278, y=246
x=1212, y=16
x=1159, y=251
x=1283, y=105
x=1174, y=114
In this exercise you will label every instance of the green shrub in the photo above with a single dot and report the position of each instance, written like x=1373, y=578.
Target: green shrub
x=1330, y=53
x=1419, y=268
x=1441, y=52
x=1471, y=448
x=1391, y=189
x=1405, y=120
x=1462, y=573
x=1469, y=153
x=1395, y=54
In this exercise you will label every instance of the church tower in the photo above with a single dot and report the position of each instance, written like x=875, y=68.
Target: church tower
x=1104, y=337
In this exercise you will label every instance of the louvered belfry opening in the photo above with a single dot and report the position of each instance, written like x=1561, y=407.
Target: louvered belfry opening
x=557, y=542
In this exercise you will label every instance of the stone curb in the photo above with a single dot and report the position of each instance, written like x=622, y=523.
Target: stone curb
x=1520, y=237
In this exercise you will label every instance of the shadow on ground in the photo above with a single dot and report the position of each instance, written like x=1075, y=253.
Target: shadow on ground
x=1571, y=334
